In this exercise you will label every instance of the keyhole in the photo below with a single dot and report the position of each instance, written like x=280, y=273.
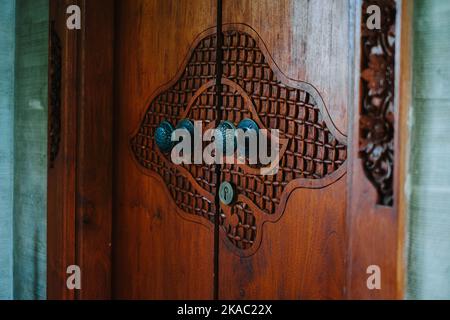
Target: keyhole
x=226, y=191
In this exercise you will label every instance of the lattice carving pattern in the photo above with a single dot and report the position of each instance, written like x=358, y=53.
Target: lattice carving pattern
x=312, y=151
x=243, y=233
x=170, y=105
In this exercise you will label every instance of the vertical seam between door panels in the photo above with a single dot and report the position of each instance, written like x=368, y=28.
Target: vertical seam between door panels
x=219, y=54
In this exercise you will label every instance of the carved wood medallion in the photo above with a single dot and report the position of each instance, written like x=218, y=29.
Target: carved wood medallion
x=313, y=152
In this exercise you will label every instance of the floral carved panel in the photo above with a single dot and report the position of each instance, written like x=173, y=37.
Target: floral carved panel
x=377, y=114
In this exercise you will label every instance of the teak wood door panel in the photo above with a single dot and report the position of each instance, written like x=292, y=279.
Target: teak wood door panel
x=156, y=253
x=301, y=253
x=288, y=235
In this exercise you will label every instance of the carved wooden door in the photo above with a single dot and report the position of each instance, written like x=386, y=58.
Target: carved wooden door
x=282, y=64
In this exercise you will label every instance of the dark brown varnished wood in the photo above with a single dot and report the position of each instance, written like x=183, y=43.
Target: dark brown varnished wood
x=308, y=40
x=95, y=147
x=157, y=253
x=301, y=253
x=80, y=178
x=325, y=227
x=312, y=151
x=376, y=229
x=61, y=193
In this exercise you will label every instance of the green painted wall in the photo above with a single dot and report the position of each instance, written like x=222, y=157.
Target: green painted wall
x=429, y=211
x=23, y=148
x=7, y=14
x=30, y=149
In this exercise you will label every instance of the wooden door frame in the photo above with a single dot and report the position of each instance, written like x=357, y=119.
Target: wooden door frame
x=80, y=175
x=376, y=233
x=80, y=147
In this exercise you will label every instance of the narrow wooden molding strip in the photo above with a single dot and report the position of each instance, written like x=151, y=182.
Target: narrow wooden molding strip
x=377, y=151
x=80, y=179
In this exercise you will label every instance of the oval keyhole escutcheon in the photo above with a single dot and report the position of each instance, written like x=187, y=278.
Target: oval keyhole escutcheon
x=226, y=193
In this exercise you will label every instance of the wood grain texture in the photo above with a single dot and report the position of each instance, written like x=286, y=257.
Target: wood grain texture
x=403, y=139
x=376, y=232
x=61, y=178
x=309, y=41
x=326, y=237
x=272, y=101
x=301, y=255
x=95, y=145
x=80, y=184
x=156, y=253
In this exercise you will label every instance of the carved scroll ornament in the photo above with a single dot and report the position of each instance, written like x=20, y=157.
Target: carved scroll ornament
x=377, y=99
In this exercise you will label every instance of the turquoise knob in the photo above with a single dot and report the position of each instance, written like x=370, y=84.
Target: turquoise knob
x=247, y=125
x=226, y=139
x=186, y=124
x=163, y=136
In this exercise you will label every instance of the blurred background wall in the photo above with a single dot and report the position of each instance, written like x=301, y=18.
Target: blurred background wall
x=429, y=172
x=23, y=148
x=7, y=27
